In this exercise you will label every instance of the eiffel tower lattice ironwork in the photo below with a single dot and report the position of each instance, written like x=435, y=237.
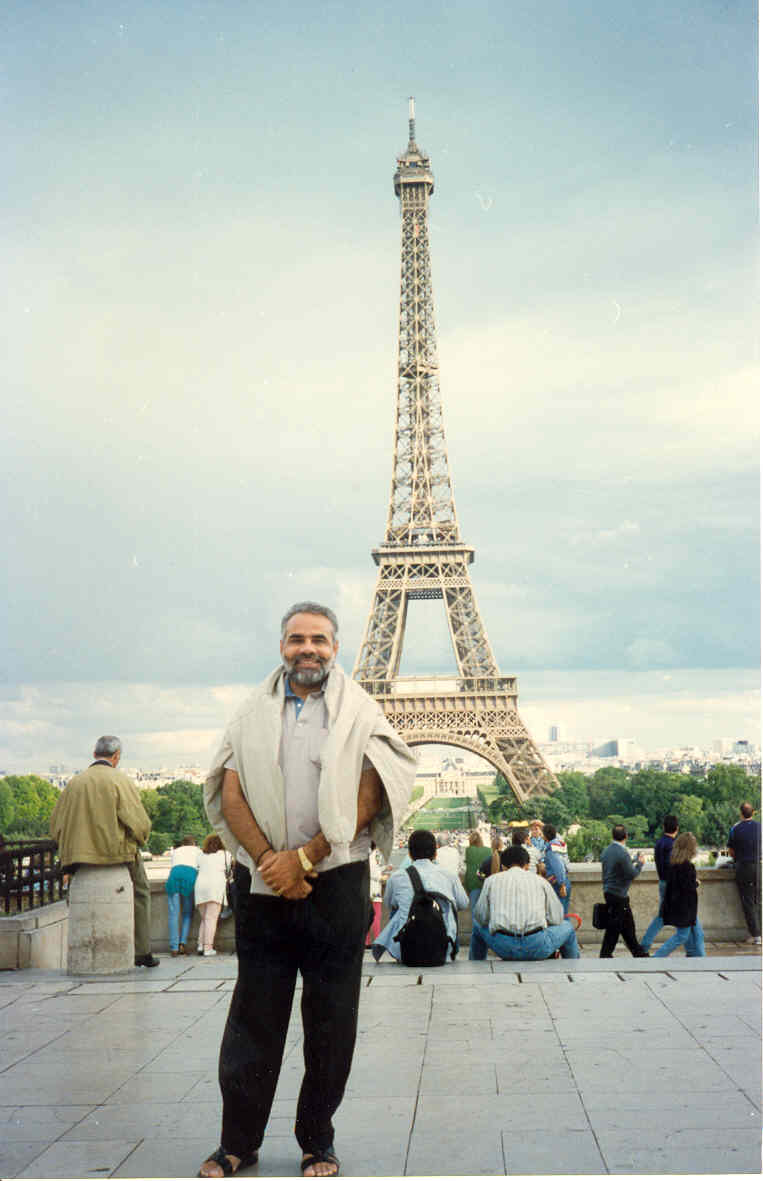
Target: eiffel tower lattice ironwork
x=423, y=556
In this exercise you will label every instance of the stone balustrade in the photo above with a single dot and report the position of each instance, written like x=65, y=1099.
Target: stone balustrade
x=38, y=939
x=719, y=907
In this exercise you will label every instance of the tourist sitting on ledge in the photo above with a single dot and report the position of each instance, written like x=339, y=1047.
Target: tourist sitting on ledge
x=399, y=894
x=518, y=915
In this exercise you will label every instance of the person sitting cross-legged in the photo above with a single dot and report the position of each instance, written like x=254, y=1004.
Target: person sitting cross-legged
x=518, y=915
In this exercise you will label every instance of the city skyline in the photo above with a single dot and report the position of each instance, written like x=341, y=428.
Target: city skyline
x=202, y=251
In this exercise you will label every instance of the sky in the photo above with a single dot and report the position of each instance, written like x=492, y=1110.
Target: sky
x=201, y=276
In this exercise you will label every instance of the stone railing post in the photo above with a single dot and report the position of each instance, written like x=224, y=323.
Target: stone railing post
x=101, y=939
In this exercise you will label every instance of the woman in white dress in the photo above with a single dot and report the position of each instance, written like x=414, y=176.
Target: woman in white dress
x=209, y=892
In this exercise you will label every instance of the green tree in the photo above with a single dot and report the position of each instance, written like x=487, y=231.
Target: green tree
x=718, y=822
x=149, y=797
x=33, y=801
x=605, y=791
x=555, y=811
x=7, y=806
x=568, y=803
x=496, y=809
x=591, y=838
x=159, y=842
x=573, y=791
x=730, y=784
x=691, y=816
x=180, y=810
x=508, y=807
x=637, y=828
x=649, y=793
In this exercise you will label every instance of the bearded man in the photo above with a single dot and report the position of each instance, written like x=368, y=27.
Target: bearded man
x=308, y=772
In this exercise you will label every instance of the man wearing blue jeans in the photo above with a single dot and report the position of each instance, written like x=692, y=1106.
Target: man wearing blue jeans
x=662, y=851
x=518, y=915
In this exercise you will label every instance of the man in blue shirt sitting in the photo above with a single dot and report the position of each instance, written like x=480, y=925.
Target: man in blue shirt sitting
x=398, y=893
x=662, y=851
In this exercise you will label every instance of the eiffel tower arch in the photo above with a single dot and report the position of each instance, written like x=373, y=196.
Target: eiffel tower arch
x=422, y=555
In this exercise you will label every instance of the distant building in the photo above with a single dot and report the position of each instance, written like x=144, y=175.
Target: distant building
x=617, y=748
x=554, y=733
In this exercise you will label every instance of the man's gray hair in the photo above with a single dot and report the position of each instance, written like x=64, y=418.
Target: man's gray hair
x=310, y=609
x=107, y=746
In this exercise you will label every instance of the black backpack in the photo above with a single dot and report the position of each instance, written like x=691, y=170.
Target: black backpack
x=423, y=939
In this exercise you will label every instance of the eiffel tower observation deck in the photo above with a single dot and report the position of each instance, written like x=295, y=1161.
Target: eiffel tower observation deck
x=423, y=555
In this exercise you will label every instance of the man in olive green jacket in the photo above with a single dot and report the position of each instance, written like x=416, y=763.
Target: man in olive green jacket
x=100, y=820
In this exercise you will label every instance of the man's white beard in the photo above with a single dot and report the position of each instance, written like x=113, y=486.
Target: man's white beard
x=307, y=677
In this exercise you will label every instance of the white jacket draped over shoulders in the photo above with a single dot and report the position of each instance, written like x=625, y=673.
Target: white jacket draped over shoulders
x=356, y=727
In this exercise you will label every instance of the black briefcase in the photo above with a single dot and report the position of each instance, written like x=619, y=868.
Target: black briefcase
x=600, y=916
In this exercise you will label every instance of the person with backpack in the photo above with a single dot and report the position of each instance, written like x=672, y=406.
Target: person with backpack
x=423, y=901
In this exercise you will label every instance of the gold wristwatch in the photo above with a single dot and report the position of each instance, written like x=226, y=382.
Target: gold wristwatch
x=304, y=860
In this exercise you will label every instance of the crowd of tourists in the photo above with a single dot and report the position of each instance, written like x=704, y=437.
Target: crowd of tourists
x=519, y=894
x=519, y=897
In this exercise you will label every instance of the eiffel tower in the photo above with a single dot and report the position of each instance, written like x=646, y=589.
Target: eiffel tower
x=422, y=555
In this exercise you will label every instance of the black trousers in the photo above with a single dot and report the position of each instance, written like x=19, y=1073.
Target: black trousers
x=322, y=937
x=747, y=875
x=620, y=923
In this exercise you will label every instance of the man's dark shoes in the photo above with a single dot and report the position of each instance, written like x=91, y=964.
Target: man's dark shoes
x=326, y=1157
x=146, y=961
x=222, y=1158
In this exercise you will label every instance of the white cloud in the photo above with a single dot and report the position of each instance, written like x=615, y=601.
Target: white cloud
x=555, y=392
x=175, y=725
x=646, y=652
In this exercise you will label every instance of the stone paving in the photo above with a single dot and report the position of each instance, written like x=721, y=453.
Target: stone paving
x=554, y=1068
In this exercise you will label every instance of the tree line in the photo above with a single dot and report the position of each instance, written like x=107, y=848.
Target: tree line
x=708, y=807
x=638, y=799
x=176, y=810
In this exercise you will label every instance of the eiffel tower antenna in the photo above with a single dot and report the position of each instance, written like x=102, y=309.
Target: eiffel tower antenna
x=422, y=555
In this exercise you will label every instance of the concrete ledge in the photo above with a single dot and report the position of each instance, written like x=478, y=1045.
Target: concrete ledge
x=386, y=972
x=719, y=908
x=23, y=944
x=225, y=939
x=35, y=938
